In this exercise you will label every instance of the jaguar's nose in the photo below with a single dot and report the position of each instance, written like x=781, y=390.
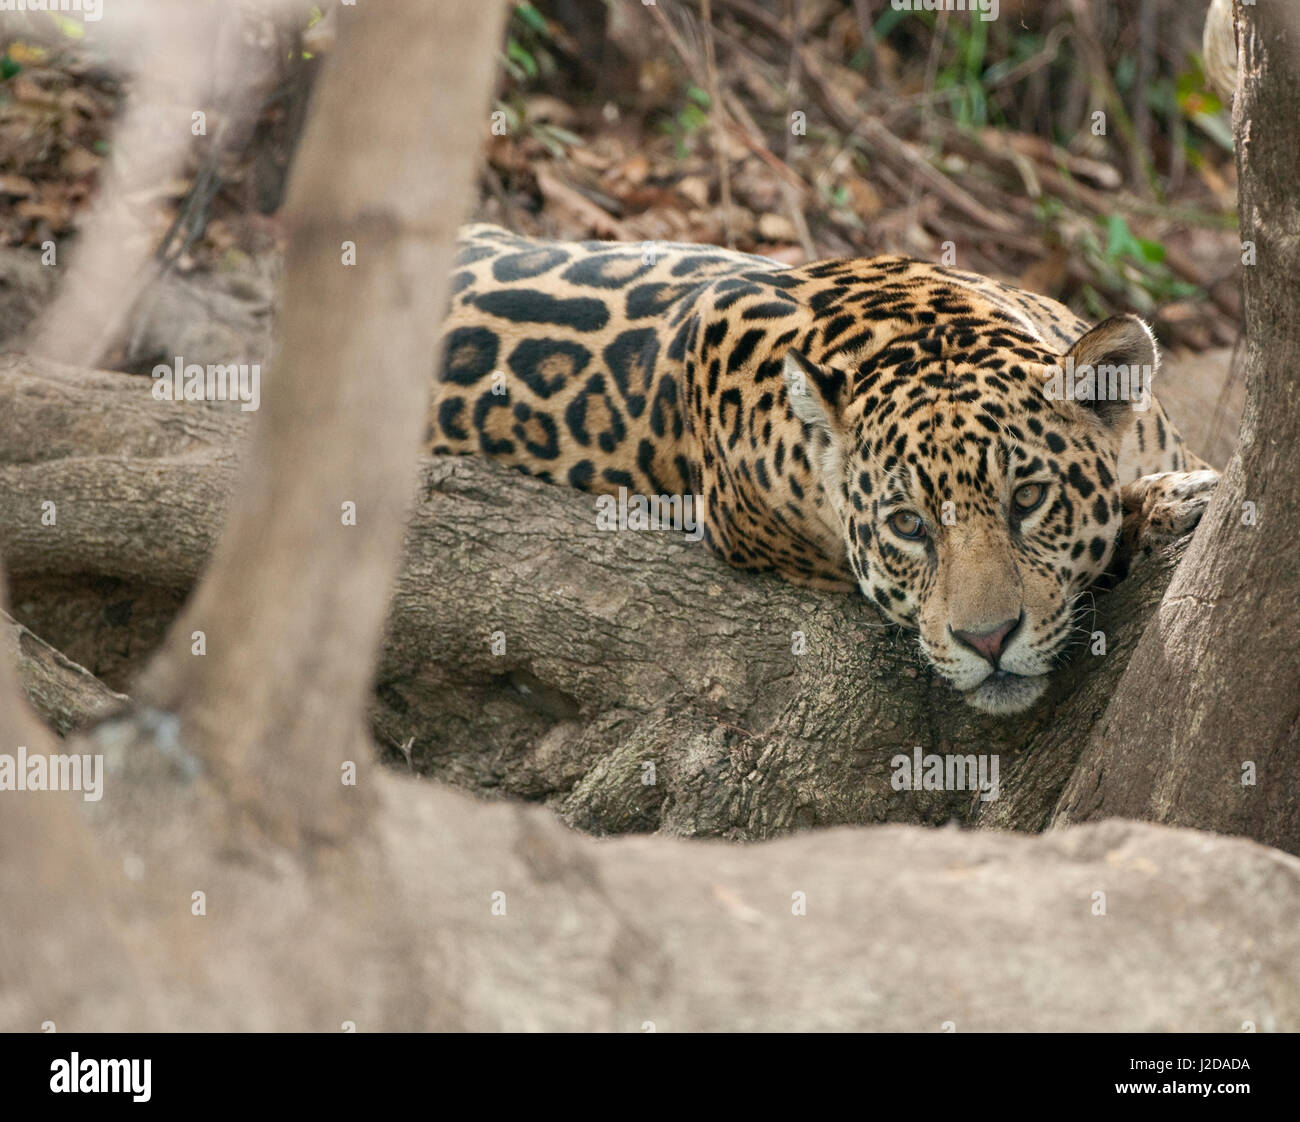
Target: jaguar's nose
x=988, y=642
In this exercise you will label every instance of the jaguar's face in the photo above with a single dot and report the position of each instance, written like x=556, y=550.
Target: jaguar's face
x=976, y=509
x=982, y=543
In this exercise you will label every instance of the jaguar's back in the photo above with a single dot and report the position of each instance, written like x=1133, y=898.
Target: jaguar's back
x=559, y=357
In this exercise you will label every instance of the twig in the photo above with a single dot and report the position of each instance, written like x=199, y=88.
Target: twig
x=743, y=127
x=715, y=115
x=1035, y=62
x=1104, y=89
x=927, y=112
x=888, y=146
x=900, y=152
x=792, y=73
x=793, y=205
x=870, y=48
x=192, y=215
x=932, y=68
x=1142, y=78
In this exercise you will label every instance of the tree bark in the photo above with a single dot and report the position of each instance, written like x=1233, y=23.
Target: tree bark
x=1204, y=729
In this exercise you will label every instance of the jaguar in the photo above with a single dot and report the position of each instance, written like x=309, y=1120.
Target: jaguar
x=965, y=453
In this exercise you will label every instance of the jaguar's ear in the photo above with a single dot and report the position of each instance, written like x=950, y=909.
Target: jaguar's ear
x=816, y=393
x=1121, y=352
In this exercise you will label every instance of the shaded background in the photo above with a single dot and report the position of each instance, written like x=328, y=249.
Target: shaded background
x=616, y=125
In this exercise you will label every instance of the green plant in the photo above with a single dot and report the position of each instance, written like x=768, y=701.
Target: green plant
x=1132, y=269
x=528, y=53
x=964, y=74
x=687, y=122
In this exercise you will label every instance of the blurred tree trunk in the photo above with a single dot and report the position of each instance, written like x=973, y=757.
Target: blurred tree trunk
x=235, y=862
x=1204, y=729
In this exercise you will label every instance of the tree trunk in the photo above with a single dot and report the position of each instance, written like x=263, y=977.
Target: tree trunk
x=1204, y=729
x=241, y=772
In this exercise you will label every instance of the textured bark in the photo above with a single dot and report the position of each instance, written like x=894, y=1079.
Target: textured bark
x=67, y=696
x=1205, y=728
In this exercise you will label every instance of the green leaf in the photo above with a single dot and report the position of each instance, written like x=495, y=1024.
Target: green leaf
x=1119, y=238
x=693, y=117
x=1194, y=96
x=532, y=18
x=523, y=57
x=890, y=18
x=1151, y=251
x=1125, y=68
x=513, y=69
x=565, y=136
x=70, y=27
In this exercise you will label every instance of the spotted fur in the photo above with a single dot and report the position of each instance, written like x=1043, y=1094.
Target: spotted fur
x=818, y=412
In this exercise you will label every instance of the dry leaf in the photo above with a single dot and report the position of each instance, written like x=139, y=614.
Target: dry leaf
x=78, y=161
x=17, y=186
x=695, y=189
x=635, y=170
x=776, y=228
x=545, y=107
x=49, y=210
x=558, y=193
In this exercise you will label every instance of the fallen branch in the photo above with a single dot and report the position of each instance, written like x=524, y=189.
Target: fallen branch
x=531, y=654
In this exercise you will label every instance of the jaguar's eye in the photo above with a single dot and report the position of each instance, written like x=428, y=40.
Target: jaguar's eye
x=1029, y=497
x=907, y=524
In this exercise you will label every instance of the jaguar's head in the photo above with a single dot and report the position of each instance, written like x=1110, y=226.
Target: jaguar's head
x=977, y=500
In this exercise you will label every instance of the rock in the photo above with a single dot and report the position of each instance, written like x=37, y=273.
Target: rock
x=1119, y=926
